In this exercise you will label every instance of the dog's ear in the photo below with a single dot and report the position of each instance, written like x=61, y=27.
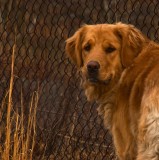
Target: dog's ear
x=132, y=41
x=74, y=47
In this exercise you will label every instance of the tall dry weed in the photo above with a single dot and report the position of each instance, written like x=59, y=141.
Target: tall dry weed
x=17, y=130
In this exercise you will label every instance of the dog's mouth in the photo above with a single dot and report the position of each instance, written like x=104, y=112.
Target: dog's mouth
x=95, y=80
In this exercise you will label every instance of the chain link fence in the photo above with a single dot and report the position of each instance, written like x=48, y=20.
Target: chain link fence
x=68, y=127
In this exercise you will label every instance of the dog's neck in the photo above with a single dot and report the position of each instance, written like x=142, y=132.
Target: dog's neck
x=105, y=97
x=99, y=93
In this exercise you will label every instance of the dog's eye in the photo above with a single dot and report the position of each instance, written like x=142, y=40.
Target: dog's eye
x=87, y=47
x=110, y=49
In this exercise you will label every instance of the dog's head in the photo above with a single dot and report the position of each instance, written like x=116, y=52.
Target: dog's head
x=103, y=51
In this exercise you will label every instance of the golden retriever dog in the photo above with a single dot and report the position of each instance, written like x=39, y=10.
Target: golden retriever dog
x=120, y=68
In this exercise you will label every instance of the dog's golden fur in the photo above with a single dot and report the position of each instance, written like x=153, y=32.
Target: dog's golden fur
x=127, y=89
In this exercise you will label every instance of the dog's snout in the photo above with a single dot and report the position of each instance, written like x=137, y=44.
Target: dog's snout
x=93, y=66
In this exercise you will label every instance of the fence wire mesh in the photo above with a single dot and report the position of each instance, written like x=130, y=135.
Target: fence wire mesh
x=68, y=127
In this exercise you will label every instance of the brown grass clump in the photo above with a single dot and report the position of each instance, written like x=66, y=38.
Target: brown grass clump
x=17, y=130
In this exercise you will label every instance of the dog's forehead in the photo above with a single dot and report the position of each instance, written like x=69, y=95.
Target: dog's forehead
x=100, y=28
x=100, y=31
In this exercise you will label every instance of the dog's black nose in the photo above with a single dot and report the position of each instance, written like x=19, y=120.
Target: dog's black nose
x=93, y=67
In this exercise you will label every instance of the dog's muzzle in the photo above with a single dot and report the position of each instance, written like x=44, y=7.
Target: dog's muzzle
x=92, y=70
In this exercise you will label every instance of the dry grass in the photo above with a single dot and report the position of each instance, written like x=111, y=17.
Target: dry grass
x=17, y=131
